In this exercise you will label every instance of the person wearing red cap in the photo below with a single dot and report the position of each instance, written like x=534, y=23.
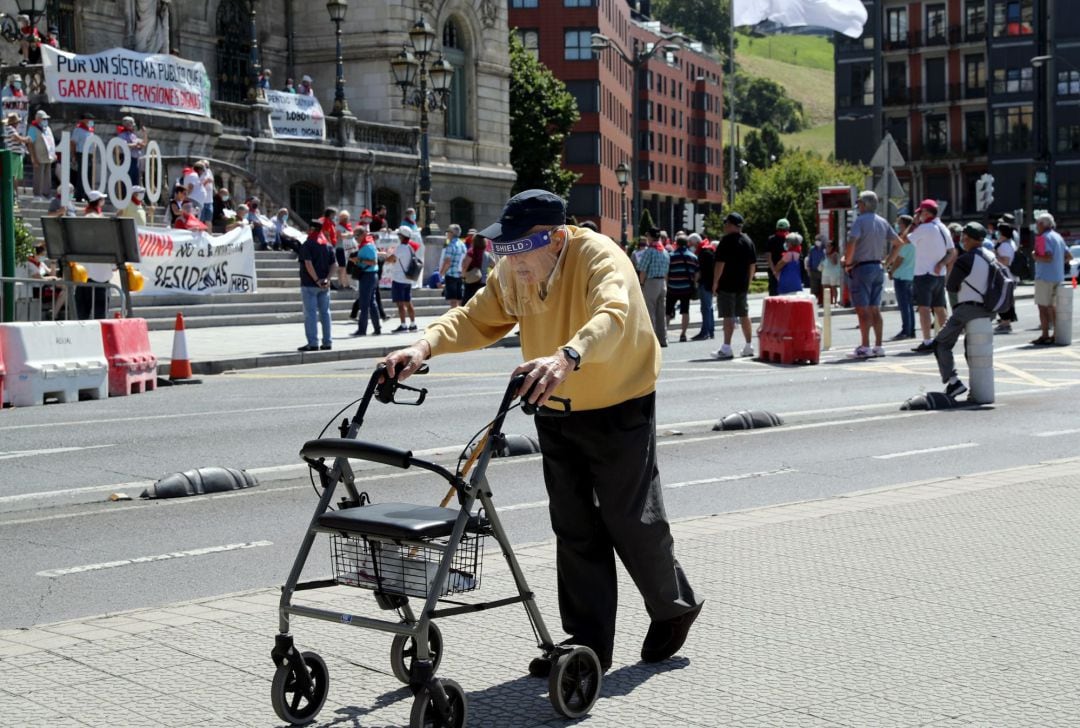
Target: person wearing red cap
x=934, y=254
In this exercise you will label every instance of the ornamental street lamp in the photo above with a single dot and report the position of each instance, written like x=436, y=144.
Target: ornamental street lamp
x=425, y=84
x=337, y=10
x=601, y=42
x=256, y=93
x=32, y=9
x=622, y=174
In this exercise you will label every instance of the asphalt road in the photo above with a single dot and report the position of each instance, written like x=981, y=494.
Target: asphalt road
x=69, y=552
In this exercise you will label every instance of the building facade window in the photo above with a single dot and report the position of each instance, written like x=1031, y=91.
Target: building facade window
x=582, y=148
x=974, y=77
x=524, y=3
x=896, y=83
x=579, y=3
x=937, y=134
x=862, y=86
x=1068, y=138
x=587, y=95
x=306, y=199
x=1013, y=17
x=1014, y=80
x=584, y=201
x=233, y=51
x=898, y=128
x=975, y=132
x=896, y=28
x=936, y=87
x=1012, y=129
x=935, y=24
x=975, y=20
x=578, y=44
x=1068, y=83
x=461, y=212
x=530, y=38
x=459, y=103
x=1068, y=197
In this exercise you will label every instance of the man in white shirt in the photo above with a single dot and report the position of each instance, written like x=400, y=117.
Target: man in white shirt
x=206, y=179
x=195, y=191
x=400, y=284
x=934, y=254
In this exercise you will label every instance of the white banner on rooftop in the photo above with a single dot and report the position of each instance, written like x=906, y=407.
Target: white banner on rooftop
x=119, y=77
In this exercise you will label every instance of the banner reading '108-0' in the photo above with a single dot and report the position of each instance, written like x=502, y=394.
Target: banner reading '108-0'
x=119, y=77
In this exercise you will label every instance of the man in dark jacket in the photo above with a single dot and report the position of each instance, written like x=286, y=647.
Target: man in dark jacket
x=316, y=259
x=775, y=248
x=706, y=254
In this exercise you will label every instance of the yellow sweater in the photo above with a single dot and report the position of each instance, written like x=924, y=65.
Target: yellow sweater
x=595, y=307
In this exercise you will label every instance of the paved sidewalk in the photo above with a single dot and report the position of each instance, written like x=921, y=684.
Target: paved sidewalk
x=946, y=603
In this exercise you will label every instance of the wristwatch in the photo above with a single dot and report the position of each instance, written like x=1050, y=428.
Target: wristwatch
x=573, y=356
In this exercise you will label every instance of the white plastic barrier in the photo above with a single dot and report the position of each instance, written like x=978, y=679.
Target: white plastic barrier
x=888, y=297
x=979, y=348
x=1063, y=314
x=53, y=359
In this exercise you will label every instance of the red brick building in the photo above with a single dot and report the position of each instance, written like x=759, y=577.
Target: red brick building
x=680, y=105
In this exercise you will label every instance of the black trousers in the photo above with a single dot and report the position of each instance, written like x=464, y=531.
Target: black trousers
x=610, y=452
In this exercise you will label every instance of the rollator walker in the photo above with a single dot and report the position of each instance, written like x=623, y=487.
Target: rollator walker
x=402, y=550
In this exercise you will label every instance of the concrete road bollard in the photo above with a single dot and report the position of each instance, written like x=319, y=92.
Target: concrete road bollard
x=1063, y=314
x=979, y=351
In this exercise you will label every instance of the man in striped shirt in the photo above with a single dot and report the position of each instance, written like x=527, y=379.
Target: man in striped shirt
x=682, y=276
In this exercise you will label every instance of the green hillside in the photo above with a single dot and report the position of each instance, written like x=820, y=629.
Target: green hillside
x=810, y=51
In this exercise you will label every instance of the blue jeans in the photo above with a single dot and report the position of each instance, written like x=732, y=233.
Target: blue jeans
x=316, y=306
x=905, y=302
x=366, y=296
x=708, y=323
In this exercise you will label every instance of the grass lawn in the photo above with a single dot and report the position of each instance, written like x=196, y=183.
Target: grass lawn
x=820, y=139
x=812, y=87
x=811, y=51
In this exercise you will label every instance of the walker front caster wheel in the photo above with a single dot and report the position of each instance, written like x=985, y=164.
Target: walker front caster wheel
x=403, y=653
x=426, y=715
x=292, y=703
x=574, y=682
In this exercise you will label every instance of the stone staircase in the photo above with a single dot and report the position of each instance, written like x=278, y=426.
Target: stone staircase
x=277, y=300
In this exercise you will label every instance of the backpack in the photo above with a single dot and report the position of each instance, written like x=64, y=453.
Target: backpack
x=1020, y=266
x=1000, y=285
x=415, y=267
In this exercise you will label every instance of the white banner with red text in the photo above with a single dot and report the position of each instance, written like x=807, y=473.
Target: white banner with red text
x=295, y=116
x=180, y=261
x=119, y=77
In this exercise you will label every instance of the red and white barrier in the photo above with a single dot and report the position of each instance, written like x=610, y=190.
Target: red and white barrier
x=788, y=331
x=53, y=359
x=132, y=366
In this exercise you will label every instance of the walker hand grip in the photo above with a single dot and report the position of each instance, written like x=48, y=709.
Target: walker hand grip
x=386, y=388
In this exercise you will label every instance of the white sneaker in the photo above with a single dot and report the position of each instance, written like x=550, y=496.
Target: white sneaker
x=861, y=352
x=877, y=351
x=748, y=350
x=724, y=352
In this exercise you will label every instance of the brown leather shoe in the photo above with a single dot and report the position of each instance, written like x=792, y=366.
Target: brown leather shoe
x=665, y=637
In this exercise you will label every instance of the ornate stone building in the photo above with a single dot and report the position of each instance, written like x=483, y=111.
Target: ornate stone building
x=368, y=159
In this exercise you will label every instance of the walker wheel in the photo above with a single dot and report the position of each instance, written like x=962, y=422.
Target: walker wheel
x=426, y=715
x=574, y=682
x=403, y=653
x=291, y=704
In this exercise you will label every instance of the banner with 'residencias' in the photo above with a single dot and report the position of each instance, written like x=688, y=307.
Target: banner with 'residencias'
x=119, y=77
x=181, y=261
x=295, y=116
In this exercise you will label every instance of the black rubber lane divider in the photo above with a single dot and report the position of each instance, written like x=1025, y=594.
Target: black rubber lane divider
x=511, y=446
x=200, y=482
x=748, y=420
x=930, y=401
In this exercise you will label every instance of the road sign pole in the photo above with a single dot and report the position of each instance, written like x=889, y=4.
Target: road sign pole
x=7, y=233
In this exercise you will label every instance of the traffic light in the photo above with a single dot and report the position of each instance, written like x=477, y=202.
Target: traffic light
x=688, y=217
x=699, y=223
x=984, y=192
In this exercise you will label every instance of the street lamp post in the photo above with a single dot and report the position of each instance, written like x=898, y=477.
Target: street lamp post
x=622, y=174
x=601, y=42
x=425, y=84
x=32, y=9
x=256, y=93
x=337, y=10
x=1047, y=63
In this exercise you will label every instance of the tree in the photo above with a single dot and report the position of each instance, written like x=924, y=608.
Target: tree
x=706, y=20
x=760, y=101
x=542, y=112
x=789, y=189
x=645, y=223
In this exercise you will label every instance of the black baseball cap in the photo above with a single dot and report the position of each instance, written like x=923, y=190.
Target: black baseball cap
x=734, y=218
x=975, y=230
x=525, y=211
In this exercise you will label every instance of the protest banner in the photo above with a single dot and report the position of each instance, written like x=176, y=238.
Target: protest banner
x=180, y=261
x=119, y=77
x=295, y=116
x=18, y=105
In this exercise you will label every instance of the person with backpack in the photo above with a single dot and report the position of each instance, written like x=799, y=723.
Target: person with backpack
x=405, y=268
x=982, y=286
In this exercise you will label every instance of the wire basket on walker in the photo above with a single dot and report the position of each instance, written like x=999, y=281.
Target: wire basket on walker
x=401, y=551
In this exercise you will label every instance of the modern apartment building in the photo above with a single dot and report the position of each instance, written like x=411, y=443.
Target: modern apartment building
x=680, y=102
x=967, y=87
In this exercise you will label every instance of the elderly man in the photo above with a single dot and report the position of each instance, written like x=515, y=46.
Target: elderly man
x=453, y=256
x=1051, y=257
x=586, y=335
x=934, y=255
x=652, y=266
x=736, y=261
x=867, y=246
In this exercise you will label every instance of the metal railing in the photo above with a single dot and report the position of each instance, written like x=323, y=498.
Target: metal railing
x=55, y=299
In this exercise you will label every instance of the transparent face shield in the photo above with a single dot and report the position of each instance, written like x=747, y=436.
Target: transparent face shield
x=527, y=271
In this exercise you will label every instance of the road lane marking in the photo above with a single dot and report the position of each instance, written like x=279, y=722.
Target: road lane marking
x=48, y=451
x=667, y=486
x=909, y=453
x=53, y=573
x=1055, y=433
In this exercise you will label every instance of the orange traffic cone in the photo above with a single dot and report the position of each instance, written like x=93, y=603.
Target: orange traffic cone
x=180, y=365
